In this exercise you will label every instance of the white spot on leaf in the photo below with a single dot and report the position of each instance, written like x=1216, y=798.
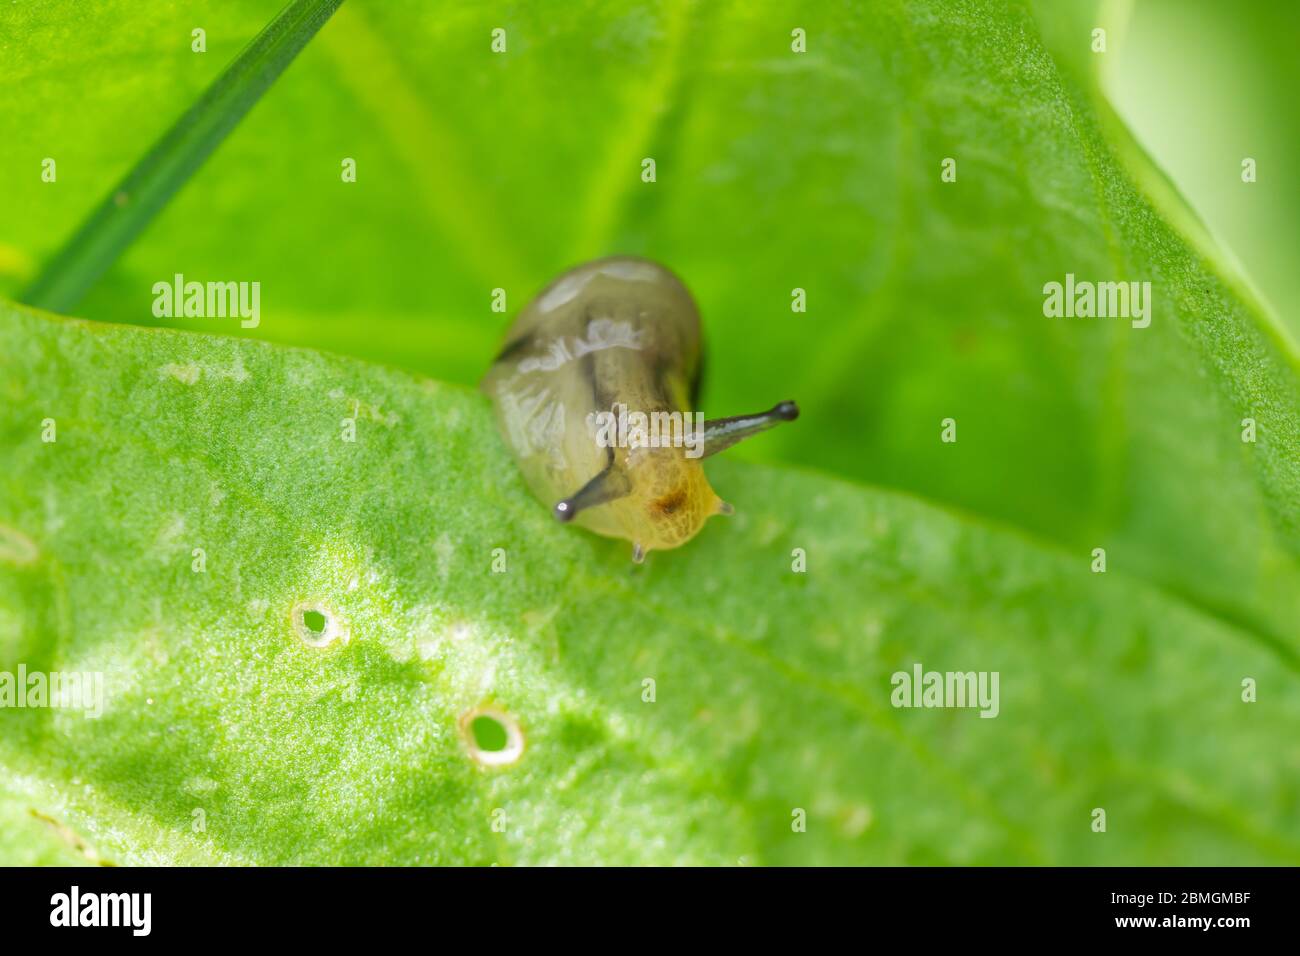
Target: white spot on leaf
x=188, y=373
x=16, y=547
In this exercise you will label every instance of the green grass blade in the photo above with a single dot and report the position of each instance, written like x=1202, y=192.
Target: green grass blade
x=133, y=202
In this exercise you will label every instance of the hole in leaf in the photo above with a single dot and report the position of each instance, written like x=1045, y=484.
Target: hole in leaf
x=493, y=737
x=489, y=734
x=317, y=625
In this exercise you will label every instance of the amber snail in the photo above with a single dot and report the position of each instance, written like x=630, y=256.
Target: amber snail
x=605, y=337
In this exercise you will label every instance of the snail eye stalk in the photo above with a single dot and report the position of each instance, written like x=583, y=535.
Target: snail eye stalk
x=610, y=485
x=721, y=433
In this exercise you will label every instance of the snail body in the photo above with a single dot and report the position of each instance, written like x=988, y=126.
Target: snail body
x=610, y=341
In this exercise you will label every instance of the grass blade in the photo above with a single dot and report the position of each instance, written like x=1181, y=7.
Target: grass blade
x=133, y=202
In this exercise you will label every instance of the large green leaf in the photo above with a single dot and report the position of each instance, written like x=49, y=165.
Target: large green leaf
x=772, y=688
x=776, y=170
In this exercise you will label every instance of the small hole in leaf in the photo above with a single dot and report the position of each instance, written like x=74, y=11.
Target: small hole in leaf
x=489, y=733
x=317, y=625
x=493, y=737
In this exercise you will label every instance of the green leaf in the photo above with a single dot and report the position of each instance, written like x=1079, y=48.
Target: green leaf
x=29, y=837
x=772, y=688
x=1249, y=94
x=775, y=170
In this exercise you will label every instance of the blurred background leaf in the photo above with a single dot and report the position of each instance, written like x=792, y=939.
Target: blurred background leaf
x=1204, y=85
